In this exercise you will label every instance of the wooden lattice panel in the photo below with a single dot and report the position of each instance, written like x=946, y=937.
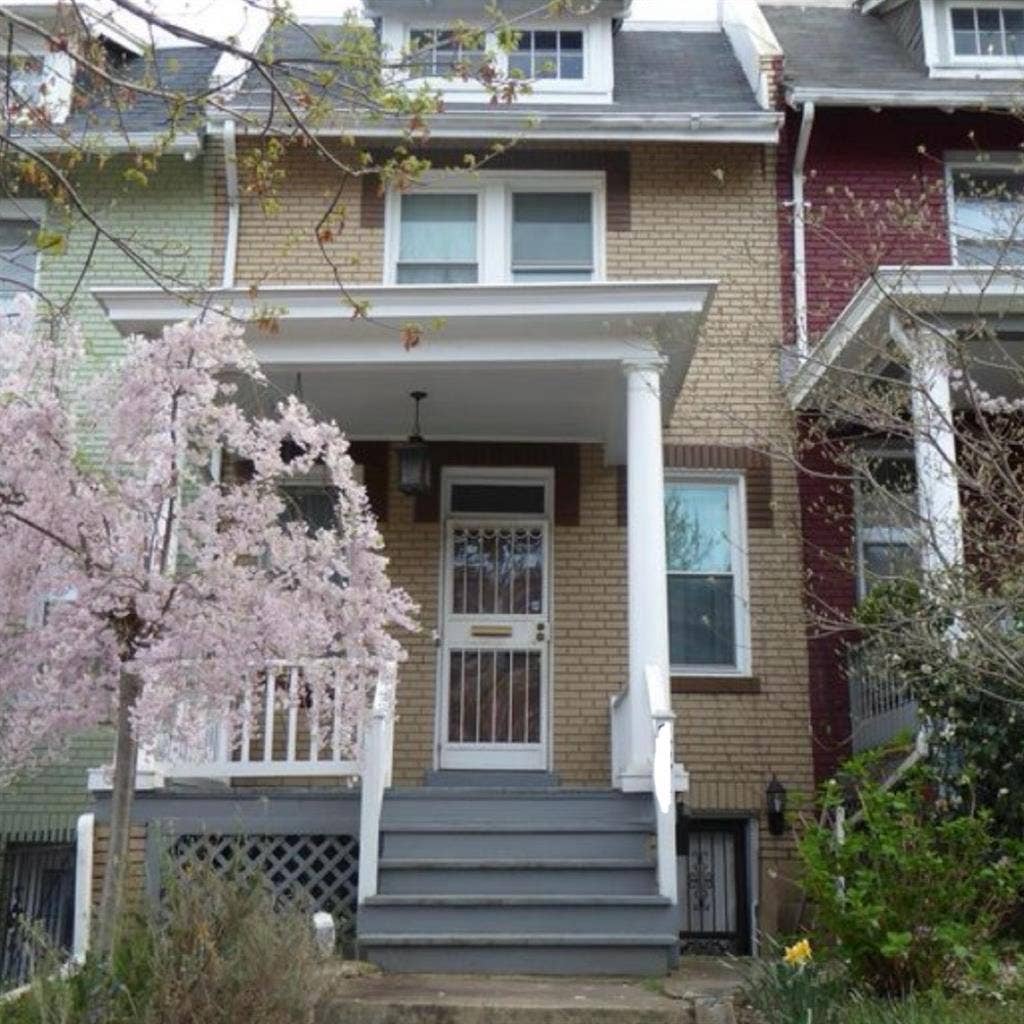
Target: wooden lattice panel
x=320, y=871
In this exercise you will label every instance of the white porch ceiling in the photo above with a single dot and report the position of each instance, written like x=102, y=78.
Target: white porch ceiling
x=515, y=362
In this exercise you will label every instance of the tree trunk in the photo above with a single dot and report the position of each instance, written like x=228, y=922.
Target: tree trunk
x=115, y=871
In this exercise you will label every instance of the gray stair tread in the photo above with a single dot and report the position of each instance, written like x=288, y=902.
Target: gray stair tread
x=477, y=939
x=509, y=864
x=490, y=827
x=540, y=794
x=580, y=900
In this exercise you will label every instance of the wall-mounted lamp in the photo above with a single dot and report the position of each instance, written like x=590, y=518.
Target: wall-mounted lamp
x=775, y=800
x=414, y=457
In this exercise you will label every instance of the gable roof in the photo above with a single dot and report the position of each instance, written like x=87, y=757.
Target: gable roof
x=839, y=57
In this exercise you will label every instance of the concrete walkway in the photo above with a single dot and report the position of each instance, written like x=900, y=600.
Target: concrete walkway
x=700, y=992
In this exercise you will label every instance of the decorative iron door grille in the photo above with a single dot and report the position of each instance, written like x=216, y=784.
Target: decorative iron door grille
x=40, y=906
x=320, y=871
x=714, y=906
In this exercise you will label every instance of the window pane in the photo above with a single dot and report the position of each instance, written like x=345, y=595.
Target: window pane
x=702, y=620
x=989, y=206
x=990, y=37
x=438, y=227
x=885, y=562
x=888, y=496
x=571, y=55
x=510, y=498
x=552, y=230
x=313, y=506
x=436, y=273
x=697, y=527
x=18, y=255
x=520, y=64
x=965, y=41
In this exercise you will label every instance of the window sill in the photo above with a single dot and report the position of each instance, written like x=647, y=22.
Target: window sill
x=716, y=684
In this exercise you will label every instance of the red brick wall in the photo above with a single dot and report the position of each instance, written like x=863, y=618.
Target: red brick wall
x=826, y=511
x=875, y=184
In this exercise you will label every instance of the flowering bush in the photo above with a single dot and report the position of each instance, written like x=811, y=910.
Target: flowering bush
x=790, y=987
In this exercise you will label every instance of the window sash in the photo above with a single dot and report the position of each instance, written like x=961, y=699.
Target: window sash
x=437, y=53
x=557, y=57
x=427, y=252
x=986, y=33
x=719, y=641
x=987, y=215
x=542, y=248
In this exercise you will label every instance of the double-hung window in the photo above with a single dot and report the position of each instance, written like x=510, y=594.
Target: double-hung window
x=987, y=31
x=496, y=227
x=542, y=54
x=987, y=220
x=708, y=615
x=437, y=53
x=886, y=513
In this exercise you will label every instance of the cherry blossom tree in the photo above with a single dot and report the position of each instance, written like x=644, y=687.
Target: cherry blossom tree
x=139, y=590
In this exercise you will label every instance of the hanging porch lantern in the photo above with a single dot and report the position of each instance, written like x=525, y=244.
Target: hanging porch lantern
x=414, y=470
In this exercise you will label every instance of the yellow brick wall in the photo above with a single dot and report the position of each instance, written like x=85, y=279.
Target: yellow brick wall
x=698, y=211
x=136, y=861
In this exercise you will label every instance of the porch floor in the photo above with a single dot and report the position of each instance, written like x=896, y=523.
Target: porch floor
x=700, y=990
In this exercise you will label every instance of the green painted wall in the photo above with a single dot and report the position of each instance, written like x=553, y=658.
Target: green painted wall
x=171, y=222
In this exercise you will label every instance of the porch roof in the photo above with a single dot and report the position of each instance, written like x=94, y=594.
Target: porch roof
x=531, y=362
x=948, y=297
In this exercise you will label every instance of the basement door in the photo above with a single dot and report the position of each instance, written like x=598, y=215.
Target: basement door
x=496, y=622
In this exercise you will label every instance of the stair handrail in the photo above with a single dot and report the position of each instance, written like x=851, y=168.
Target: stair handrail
x=377, y=756
x=662, y=780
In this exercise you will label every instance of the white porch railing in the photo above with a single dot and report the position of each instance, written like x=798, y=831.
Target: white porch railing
x=666, y=777
x=882, y=705
x=377, y=759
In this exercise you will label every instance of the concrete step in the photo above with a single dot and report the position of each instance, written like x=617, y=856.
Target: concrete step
x=480, y=917
x=436, y=876
x=619, y=840
x=510, y=953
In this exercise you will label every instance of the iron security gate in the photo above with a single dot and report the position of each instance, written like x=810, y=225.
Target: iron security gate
x=714, y=900
x=40, y=905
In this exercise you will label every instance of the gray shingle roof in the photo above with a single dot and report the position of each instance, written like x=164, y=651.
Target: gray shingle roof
x=655, y=71
x=181, y=71
x=830, y=49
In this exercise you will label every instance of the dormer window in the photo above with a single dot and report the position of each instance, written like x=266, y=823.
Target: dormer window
x=987, y=31
x=39, y=87
x=546, y=54
x=983, y=39
x=437, y=53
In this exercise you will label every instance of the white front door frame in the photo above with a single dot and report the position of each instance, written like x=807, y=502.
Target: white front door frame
x=446, y=756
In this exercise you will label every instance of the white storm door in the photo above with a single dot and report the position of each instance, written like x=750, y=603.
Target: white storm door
x=496, y=627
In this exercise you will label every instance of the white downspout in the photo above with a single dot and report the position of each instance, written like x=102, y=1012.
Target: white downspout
x=86, y=832
x=231, y=185
x=800, y=229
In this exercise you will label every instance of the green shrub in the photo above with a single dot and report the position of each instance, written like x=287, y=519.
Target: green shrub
x=911, y=900
x=221, y=952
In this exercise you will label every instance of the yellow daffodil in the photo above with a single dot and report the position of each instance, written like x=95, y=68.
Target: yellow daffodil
x=798, y=954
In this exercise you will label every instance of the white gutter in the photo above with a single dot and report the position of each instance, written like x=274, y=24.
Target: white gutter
x=800, y=229
x=942, y=99
x=188, y=145
x=758, y=128
x=83, y=886
x=231, y=186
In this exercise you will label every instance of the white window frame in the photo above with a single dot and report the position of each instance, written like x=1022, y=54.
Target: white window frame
x=563, y=82
x=961, y=160
x=596, y=86
x=891, y=535
x=19, y=210
x=944, y=62
x=494, y=190
x=741, y=570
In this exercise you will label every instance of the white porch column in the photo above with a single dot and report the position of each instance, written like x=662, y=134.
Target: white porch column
x=938, y=492
x=645, y=554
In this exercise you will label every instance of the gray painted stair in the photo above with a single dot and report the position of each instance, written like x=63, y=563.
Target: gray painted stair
x=518, y=880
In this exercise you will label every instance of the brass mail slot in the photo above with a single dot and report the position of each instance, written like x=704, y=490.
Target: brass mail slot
x=492, y=631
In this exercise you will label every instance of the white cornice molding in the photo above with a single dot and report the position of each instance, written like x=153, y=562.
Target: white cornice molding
x=945, y=290
x=948, y=98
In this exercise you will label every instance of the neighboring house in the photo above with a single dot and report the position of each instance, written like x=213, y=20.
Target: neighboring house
x=169, y=219
x=606, y=373
x=889, y=98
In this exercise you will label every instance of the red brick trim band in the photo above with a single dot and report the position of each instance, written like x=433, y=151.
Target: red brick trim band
x=716, y=684
x=756, y=467
x=615, y=164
